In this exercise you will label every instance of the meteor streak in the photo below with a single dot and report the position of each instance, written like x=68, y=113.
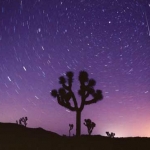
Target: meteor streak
x=147, y=24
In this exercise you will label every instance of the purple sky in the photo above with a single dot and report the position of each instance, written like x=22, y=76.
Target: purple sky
x=42, y=39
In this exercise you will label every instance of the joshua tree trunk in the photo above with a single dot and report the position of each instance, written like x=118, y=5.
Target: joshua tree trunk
x=78, y=123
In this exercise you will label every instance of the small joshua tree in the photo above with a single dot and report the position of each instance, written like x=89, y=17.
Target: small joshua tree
x=111, y=135
x=66, y=97
x=71, y=127
x=23, y=121
x=90, y=125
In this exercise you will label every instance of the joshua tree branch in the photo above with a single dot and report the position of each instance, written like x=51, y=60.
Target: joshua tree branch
x=68, y=88
x=74, y=100
x=65, y=87
x=61, y=101
x=94, y=100
x=87, y=95
x=82, y=104
x=69, y=83
x=58, y=100
x=68, y=106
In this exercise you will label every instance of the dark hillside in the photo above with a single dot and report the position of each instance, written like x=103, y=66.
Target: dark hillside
x=13, y=136
x=15, y=129
x=17, y=137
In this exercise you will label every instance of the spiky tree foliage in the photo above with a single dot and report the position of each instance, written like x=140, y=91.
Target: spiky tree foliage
x=90, y=125
x=65, y=95
x=23, y=121
x=70, y=128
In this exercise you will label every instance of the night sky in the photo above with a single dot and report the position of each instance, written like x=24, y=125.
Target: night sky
x=42, y=39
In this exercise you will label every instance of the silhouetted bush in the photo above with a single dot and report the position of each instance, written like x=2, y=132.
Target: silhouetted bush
x=22, y=121
x=110, y=134
x=90, y=125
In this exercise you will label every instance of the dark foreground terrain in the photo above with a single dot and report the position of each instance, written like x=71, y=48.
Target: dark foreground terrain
x=17, y=137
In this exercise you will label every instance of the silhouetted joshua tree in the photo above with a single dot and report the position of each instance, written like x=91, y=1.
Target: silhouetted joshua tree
x=90, y=125
x=23, y=121
x=111, y=135
x=71, y=127
x=65, y=95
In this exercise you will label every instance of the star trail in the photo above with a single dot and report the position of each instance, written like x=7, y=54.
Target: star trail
x=42, y=39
